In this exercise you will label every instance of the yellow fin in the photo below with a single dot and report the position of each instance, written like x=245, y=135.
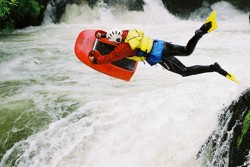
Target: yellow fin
x=232, y=77
x=212, y=18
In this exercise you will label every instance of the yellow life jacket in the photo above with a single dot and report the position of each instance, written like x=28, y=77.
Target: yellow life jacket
x=137, y=40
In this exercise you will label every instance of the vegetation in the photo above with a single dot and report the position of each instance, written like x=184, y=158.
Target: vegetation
x=14, y=13
x=245, y=129
x=5, y=9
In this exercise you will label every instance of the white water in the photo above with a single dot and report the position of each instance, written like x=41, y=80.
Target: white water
x=158, y=119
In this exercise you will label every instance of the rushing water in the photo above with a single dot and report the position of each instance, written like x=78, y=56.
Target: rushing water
x=55, y=111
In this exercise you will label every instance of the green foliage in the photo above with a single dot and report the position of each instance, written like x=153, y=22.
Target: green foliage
x=245, y=128
x=12, y=11
x=28, y=6
x=6, y=7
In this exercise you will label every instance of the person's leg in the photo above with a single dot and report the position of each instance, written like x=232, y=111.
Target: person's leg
x=198, y=69
x=173, y=64
x=178, y=50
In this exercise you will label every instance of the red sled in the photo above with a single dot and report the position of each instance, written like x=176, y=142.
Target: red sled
x=86, y=42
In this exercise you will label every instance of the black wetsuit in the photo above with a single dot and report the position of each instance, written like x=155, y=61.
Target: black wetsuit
x=171, y=63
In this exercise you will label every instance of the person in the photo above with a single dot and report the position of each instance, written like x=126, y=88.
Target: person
x=136, y=45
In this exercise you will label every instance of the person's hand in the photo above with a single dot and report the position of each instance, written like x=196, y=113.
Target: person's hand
x=98, y=35
x=91, y=58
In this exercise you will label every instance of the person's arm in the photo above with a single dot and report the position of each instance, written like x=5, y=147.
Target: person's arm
x=100, y=35
x=121, y=51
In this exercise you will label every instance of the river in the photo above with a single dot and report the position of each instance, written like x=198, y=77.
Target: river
x=55, y=111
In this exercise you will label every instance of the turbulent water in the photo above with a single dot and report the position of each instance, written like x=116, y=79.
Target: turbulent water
x=55, y=111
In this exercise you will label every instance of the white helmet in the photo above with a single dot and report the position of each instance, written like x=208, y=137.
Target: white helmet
x=114, y=35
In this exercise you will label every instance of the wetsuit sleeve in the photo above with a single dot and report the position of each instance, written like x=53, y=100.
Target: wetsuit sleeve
x=121, y=51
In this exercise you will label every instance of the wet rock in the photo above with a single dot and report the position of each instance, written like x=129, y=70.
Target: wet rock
x=183, y=8
x=29, y=18
x=229, y=144
x=243, y=5
x=58, y=6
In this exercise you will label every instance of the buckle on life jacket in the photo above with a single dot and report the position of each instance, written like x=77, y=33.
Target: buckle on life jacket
x=141, y=53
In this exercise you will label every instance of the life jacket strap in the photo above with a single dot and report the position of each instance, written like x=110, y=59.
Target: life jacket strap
x=141, y=53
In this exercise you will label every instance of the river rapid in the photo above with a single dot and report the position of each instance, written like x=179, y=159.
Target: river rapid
x=55, y=111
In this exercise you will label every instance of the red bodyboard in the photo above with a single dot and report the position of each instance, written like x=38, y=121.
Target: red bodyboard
x=122, y=69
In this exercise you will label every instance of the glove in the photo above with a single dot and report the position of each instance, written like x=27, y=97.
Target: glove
x=93, y=56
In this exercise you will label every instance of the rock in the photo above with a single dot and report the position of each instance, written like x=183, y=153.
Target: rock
x=229, y=144
x=243, y=5
x=182, y=8
x=27, y=17
x=58, y=6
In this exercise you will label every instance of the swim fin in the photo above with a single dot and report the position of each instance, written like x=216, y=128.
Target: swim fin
x=216, y=67
x=232, y=77
x=212, y=18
